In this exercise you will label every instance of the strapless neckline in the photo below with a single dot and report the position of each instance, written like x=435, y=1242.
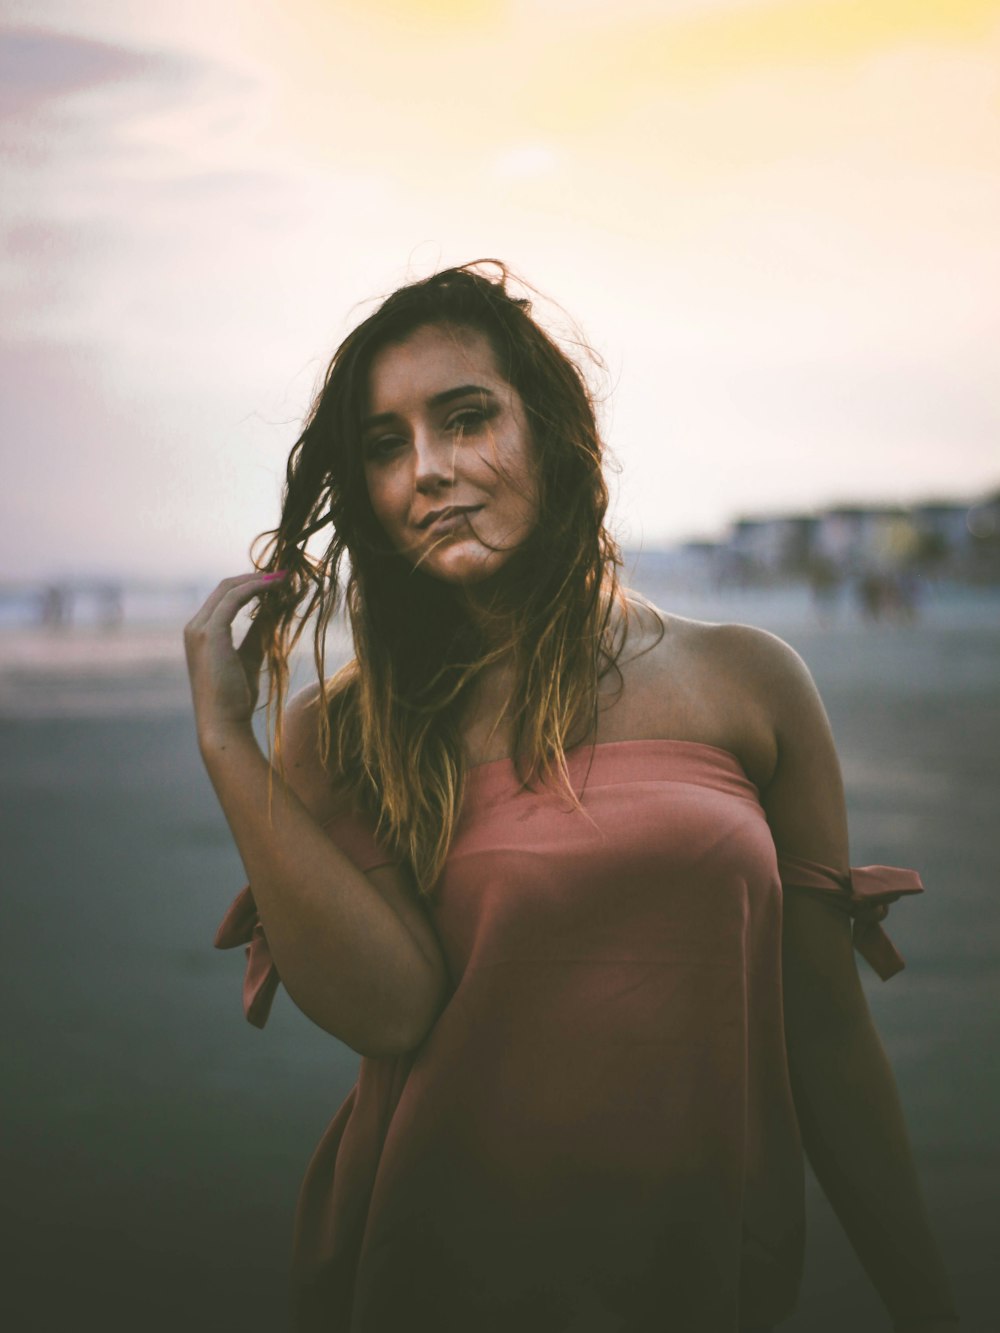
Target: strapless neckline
x=583, y=759
x=508, y=762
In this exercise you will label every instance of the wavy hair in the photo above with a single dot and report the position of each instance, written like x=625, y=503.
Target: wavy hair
x=391, y=717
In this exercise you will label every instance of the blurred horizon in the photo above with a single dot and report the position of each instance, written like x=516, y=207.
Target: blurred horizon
x=774, y=220
x=965, y=528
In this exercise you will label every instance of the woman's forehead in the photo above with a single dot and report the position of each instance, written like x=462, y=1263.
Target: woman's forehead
x=428, y=361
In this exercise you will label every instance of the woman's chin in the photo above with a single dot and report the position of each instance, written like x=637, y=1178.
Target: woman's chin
x=464, y=563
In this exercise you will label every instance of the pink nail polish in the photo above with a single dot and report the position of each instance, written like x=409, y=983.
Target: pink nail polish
x=278, y=574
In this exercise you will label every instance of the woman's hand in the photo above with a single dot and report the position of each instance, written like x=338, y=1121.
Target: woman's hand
x=224, y=678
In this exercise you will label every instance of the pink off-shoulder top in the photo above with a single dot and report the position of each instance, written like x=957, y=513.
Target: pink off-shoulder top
x=598, y=1132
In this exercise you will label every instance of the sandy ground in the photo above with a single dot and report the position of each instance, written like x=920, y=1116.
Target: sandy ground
x=154, y=1143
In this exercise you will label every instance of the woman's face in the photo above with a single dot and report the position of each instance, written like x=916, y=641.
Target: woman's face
x=448, y=454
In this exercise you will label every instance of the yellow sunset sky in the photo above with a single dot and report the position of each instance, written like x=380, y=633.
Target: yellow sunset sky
x=778, y=223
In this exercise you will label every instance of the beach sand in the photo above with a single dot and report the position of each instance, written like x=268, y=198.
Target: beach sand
x=154, y=1143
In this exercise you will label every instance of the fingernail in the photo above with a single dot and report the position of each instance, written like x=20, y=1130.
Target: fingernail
x=278, y=574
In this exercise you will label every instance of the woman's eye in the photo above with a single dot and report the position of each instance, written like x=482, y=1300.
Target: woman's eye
x=470, y=419
x=382, y=448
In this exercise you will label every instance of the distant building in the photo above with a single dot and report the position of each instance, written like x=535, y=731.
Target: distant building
x=856, y=538
x=769, y=547
x=983, y=518
x=983, y=523
x=845, y=543
x=946, y=539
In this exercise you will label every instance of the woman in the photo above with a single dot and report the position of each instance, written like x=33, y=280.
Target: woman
x=526, y=854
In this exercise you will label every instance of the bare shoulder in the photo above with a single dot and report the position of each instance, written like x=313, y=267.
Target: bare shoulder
x=711, y=642
x=771, y=664
x=777, y=676
x=768, y=675
x=736, y=686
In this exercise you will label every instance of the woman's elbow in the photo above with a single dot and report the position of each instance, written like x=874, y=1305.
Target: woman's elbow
x=391, y=1028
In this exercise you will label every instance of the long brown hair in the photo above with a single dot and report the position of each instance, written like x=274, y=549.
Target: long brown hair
x=391, y=716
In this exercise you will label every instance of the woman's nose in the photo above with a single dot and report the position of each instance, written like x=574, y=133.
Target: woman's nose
x=434, y=459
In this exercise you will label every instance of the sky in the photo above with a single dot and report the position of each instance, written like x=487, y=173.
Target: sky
x=777, y=222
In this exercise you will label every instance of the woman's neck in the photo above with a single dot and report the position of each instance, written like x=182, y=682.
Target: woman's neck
x=485, y=610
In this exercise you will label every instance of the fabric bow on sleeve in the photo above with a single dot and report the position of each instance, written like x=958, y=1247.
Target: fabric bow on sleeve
x=857, y=892
x=241, y=925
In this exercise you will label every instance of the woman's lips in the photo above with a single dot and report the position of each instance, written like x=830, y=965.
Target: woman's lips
x=448, y=522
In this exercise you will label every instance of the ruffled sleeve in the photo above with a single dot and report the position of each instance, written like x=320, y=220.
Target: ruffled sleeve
x=241, y=923
x=863, y=892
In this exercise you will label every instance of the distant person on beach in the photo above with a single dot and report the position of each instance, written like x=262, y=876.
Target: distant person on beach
x=907, y=595
x=889, y=595
x=568, y=871
x=54, y=609
x=824, y=585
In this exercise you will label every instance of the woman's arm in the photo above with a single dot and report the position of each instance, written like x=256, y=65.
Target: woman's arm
x=354, y=951
x=855, y=1136
x=845, y=1094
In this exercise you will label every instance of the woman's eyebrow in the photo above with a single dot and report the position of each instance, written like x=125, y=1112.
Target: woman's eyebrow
x=439, y=399
x=436, y=400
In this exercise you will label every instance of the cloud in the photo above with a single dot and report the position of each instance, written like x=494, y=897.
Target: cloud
x=40, y=68
x=105, y=148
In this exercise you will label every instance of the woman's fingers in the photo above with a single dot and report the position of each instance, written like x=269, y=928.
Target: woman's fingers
x=235, y=598
x=224, y=679
x=222, y=604
x=211, y=602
